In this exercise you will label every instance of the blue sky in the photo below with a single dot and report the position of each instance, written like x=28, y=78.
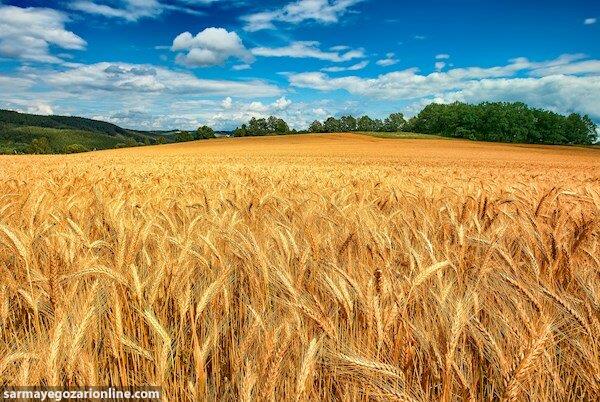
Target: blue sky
x=158, y=64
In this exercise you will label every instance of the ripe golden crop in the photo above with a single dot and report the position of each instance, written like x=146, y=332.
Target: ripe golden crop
x=338, y=267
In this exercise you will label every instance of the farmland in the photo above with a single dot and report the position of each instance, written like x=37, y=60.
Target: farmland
x=308, y=267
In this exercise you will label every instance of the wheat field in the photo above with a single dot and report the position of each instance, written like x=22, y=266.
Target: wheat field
x=319, y=267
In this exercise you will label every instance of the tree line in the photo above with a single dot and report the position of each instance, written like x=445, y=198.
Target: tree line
x=488, y=121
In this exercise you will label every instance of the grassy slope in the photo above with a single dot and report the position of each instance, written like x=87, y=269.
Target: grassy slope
x=18, y=138
x=18, y=130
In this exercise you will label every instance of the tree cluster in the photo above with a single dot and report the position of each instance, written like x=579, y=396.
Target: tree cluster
x=258, y=127
x=503, y=122
x=394, y=123
x=202, y=133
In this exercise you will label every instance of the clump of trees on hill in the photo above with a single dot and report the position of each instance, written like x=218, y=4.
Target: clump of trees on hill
x=394, y=123
x=258, y=127
x=503, y=122
x=202, y=133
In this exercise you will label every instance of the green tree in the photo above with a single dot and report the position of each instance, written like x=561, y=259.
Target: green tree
x=241, y=131
x=40, y=146
x=580, y=130
x=365, y=123
x=331, y=125
x=204, y=132
x=316, y=127
x=278, y=126
x=183, y=136
x=394, y=123
x=258, y=126
x=348, y=123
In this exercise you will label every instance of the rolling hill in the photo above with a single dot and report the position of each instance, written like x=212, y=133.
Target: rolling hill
x=29, y=133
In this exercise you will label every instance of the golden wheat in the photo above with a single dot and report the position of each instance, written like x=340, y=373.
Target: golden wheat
x=335, y=267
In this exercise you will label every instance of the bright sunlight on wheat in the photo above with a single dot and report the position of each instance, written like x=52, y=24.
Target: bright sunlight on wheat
x=337, y=267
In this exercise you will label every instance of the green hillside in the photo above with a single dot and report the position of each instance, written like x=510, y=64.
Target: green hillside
x=28, y=133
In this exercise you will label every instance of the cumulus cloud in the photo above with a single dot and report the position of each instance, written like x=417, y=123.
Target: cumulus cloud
x=211, y=47
x=321, y=11
x=439, y=65
x=33, y=106
x=310, y=49
x=40, y=107
x=389, y=60
x=29, y=33
x=442, y=56
x=564, y=84
x=281, y=103
x=227, y=103
x=589, y=21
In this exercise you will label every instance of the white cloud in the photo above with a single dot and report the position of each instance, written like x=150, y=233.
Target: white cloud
x=173, y=107
x=564, y=84
x=211, y=47
x=33, y=106
x=320, y=112
x=227, y=103
x=28, y=34
x=140, y=96
x=134, y=10
x=354, y=67
x=40, y=107
x=442, y=56
x=573, y=68
x=241, y=67
x=322, y=11
x=281, y=103
x=131, y=10
x=339, y=48
x=309, y=49
x=589, y=21
x=257, y=107
x=148, y=79
x=389, y=60
x=439, y=65
x=16, y=83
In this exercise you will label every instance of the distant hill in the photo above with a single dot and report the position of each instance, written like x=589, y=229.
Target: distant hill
x=29, y=133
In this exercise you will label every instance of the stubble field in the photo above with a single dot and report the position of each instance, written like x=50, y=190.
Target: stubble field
x=333, y=267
